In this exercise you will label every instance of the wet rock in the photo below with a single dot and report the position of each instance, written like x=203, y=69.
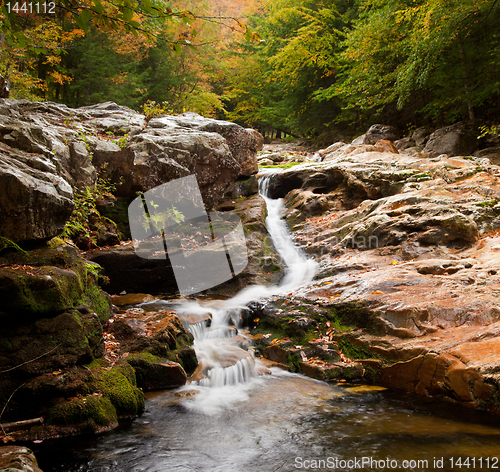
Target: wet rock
x=115, y=395
x=410, y=275
x=160, y=334
x=51, y=323
x=89, y=414
x=81, y=169
x=275, y=353
x=162, y=153
x=50, y=344
x=154, y=373
x=491, y=153
x=18, y=458
x=46, y=149
x=337, y=371
x=46, y=282
x=259, y=139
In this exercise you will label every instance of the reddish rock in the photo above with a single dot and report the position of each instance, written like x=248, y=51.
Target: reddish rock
x=384, y=145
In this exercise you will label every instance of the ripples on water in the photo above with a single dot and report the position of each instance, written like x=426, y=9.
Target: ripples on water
x=264, y=425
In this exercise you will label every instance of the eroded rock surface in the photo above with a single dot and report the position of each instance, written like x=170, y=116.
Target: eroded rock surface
x=409, y=280
x=47, y=150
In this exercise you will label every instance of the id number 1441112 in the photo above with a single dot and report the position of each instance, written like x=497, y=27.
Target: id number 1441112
x=26, y=8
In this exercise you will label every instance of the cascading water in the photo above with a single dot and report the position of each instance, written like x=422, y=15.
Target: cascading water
x=222, y=359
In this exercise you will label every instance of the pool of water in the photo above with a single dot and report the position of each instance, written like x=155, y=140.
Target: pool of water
x=284, y=422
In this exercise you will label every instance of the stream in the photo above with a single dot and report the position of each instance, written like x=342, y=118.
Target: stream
x=233, y=419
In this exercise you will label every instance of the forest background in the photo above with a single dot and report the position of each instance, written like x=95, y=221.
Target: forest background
x=319, y=69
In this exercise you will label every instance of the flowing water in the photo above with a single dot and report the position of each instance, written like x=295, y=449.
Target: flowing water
x=232, y=419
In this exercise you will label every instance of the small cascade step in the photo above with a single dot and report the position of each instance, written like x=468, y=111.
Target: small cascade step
x=240, y=372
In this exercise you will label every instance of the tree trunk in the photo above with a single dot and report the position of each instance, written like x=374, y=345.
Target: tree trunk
x=467, y=88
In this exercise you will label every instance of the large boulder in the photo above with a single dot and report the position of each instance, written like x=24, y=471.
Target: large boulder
x=378, y=132
x=243, y=143
x=162, y=153
x=35, y=201
x=455, y=140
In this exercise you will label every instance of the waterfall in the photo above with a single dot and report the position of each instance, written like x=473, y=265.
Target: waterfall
x=221, y=359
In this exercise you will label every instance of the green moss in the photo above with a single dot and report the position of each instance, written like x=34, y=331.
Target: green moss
x=353, y=351
x=350, y=315
x=118, y=213
x=294, y=360
x=157, y=373
x=91, y=410
x=349, y=372
x=7, y=243
x=99, y=301
x=186, y=357
x=487, y=204
x=282, y=166
x=118, y=384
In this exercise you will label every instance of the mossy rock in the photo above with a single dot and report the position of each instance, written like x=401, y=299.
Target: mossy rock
x=98, y=301
x=39, y=291
x=48, y=344
x=46, y=282
x=186, y=357
x=92, y=411
x=119, y=385
x=155, y=373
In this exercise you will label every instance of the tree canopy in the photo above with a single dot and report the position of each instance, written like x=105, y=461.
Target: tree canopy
x=328, y=64
x=305, y=67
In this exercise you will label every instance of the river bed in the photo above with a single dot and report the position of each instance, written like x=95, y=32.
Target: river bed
x=282, y=421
